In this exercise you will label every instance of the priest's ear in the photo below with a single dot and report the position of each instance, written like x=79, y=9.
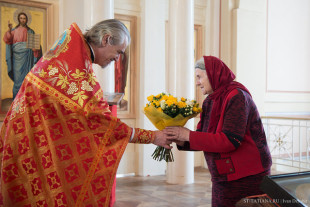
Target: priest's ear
x=107, y=39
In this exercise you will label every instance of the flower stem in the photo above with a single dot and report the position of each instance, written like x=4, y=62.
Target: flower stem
x=161, y=153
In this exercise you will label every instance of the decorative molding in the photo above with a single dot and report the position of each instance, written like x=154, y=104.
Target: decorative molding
x=131, y=6
x=41, y=5
x=131, y=111
x=198, y=54
x=200, y=3
x=199, y=14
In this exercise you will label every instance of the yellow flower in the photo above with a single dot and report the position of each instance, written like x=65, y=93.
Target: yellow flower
x=172, y=98
x=181, y=104
x=158, y=95
x=150, y=98
x=197, y=109
x=169, y=102
x=183, y=99
x=165, y=97
x=156, y=103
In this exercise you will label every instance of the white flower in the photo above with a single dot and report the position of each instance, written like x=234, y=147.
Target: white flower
x=72, y=88
x=190, y=103
x=163, y=104
x=53, y=71
x=86, y=86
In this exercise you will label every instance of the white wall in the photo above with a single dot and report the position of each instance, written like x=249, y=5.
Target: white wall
x=288, y=52
x=270, y=50
x=250, y=47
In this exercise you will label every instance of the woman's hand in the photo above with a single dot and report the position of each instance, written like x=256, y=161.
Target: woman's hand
x=180, y=143
x=177, y=134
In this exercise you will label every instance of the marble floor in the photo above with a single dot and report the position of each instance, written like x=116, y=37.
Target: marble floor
x=153, y=191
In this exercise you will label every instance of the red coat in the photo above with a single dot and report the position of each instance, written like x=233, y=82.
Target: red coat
x=239, y=147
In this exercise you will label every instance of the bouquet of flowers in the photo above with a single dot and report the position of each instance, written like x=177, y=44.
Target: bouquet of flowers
x=166, y=110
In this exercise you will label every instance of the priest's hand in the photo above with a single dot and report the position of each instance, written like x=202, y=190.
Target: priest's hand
x=161, y=140
x=177, y=134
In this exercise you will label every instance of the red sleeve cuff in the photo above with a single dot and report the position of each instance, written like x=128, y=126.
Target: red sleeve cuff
x=196, y=140
x=210, y=142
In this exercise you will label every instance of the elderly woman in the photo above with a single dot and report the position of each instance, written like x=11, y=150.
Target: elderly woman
x=230, y=133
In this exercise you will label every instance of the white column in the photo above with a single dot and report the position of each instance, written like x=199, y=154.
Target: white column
x=212, y=36
x=151, y=76
x=70, y=11
x=96, y=11
x=181, y=79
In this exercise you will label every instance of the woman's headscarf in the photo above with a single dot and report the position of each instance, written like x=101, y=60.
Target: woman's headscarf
x=222, y=82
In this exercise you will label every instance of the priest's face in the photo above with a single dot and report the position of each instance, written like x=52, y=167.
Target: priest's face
x=203, y=82
x=108, y=52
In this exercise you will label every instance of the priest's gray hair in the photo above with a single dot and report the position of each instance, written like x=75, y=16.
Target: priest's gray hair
x=113, y=27
x=200, y=64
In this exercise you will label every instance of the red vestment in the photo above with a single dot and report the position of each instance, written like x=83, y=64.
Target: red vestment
x=59, y=144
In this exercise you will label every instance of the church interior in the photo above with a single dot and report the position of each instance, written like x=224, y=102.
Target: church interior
x=265, y=43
